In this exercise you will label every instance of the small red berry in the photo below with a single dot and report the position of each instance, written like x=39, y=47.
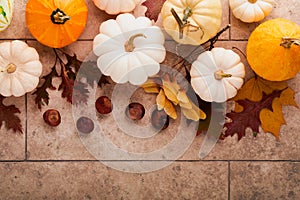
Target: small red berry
x=85, y=125
x=135, y=111
x=103, y=105
x=52, y=117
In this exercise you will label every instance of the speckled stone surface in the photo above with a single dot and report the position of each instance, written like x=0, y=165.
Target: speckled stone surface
x=52, y=163
x=92, y=180
x=264, y=180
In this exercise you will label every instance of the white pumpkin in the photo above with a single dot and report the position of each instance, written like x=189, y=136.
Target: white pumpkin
x=201, y=20
x=129, y=49
x=251, y=10
x=6, y=12
x=114, y=7
x=20, y=68
x=217, y=75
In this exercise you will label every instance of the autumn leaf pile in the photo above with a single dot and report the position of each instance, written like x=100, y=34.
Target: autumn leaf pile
x=259, y=103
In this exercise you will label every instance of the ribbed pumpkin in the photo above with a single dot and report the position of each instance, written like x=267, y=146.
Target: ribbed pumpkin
x=56, y=23
x=6, y=13
x=273, y=50
x=192, y=21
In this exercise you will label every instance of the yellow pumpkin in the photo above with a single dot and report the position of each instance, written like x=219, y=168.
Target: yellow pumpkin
x=56, y=23
x=273, y=50
x=192, y=22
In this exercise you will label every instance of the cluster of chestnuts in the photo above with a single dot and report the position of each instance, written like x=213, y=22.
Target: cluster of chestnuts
x=134, y=111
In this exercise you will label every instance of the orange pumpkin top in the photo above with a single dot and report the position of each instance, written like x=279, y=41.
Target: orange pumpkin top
x=56, y=23
x=273, y=50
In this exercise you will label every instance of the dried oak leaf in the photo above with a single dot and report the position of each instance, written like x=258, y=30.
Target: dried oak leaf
x=265, y=113
x=9, y=117
x=254, y=89
x=153, y=8
x=42, y=95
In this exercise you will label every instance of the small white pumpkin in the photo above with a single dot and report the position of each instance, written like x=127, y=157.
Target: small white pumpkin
x=114, y=7
x=129, y=49
x=20, y=68
x=6, y=13
x=251, y=10
x=217, y=75
x=196, y=21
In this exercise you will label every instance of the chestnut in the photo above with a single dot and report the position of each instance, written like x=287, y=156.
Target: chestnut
x=135, y=111
x=52, y=117
x=160, y=119
x=103, y=105
x=85, y=125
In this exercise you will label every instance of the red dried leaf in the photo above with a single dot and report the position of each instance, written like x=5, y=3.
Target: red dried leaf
x=9, y=117
x=249, y=117
x=153, y=8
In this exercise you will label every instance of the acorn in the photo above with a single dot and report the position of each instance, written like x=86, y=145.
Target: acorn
x=52, y=117
x=103, y=105
x=85, y=125
x=160, y=119
x=135, y=111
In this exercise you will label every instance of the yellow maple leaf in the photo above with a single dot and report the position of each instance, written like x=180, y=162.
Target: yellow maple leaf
x=271, y=121
x=254, y=89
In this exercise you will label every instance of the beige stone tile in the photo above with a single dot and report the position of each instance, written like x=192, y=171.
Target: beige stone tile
x=282, y=9
x=225, y=19
x=264, y=180
x=12, y=145
x=62, y=142
x=17, y=29
x=92, y=180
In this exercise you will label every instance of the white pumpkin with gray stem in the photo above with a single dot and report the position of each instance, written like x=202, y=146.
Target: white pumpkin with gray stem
x=20, y=68
x=216, y=75
x=129, y=49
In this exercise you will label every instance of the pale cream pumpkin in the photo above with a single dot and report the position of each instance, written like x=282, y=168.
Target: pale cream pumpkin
x=20, y=68
x=200, y=20
x=129, y=49
x=114, y=7
x=251, y=10
x=217, y=75
x=6, y=13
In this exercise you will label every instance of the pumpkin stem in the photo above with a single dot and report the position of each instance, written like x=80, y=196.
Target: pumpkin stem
x=287, y=42
x=11, y=68
x=187, y=13
x=3, y=13
x=59, y=17
x=129, y=46
x=252, y=1
x=219, y=75
x=184, y=23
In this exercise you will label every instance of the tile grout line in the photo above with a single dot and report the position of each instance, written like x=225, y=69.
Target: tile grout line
x=229, y=19
x=229, y=179
x=177, y=161
x=26, y=124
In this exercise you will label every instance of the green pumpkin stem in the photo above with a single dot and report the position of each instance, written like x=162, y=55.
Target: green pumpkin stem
x=287, y=42
x=129, y=45
x=219, y=75
x=3, y=13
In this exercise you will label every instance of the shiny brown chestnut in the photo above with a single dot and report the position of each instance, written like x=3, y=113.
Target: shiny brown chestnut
x=52, y=117
x=159, y=119
x=103, y=105
x=135, y=111
x=85, y=125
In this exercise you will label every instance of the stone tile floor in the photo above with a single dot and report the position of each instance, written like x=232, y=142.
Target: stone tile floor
x=52, y=163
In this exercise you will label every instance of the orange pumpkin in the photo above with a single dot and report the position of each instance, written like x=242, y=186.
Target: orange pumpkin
x=273, y=50
x=56, y=23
